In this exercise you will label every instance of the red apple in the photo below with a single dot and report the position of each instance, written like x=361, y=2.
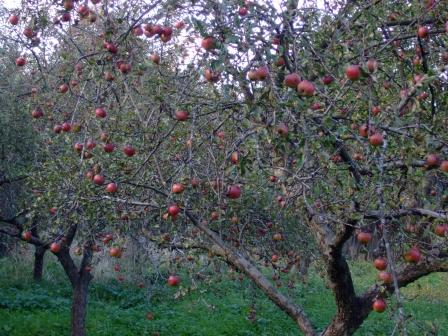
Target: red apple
x=90, y=144
x=292, y=80
x=234, y=157
x=441, y=229
x=233, y=192
x=364, y=131
x=327, y=79
x=422, y=32
x=112, y=48
x=385, y=277
x=137, y=31
x=98, y=179
x=13, y=19
x=211, y=76
x=26, y=235
x=413, y=255
x=66, y=127
x=173, y=210
x=21, y=61
x=262, y=72
x=242, y=11
x=372, y=65
x=155, y=58
x=177, y=188
x=444, y=166
x=376, y=110
x=208, y=43
x=115, y=252
x=379, y=305
x=78, y=147
x=57, y=129
x=380, y=264
x=129, y=150
x=274, y=258
x=63, y=88
x=364, y=237
x=55, y=247
x=173, y=280
x=181, y=115
x=179, y=25
x=109, y=147
x=376, y=139
x=353, y=72
x=432, y=160
x=306, y=88
x=28, y=32
x=111, y=188
x=37, y=113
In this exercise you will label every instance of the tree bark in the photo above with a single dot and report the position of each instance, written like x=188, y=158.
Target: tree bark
x=39, y=255
x=79, y=305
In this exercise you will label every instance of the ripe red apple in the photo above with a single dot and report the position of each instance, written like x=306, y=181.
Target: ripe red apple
x=242, y=11
x=66, y=127
x=109, y=147
x=379, y=305
x=380, y=264
x=353, y=72
x=90, y=144
x=66, y=17
x=13, y=19
x=129, y=150
x=173, y=280
x=280, y=62
x=112, y=48
x=179, y=25
x=252, y=75
x=292, y=80
x=109, y=76
x=173, y=210
x=364, y=131
x=422, y=32
x=115, y=252
x=155, y=58
x=441, y=229
x=208, y=43
x=111, y=188
x=20, y=61
x=376, y=110
x=432, y=160
x=137, y=31
x=181, y=115
x=55, y=247
x=234, y=157
x=177, y=188
x=233, y=192
x=385, y=277
x=63, y=88
x=376, y=139
x=444, y=166
x=277, y=237
x=98, y=179
x=274, y=258
x=211, y=76
x=306, y=88
x=413, y=255
x=83, y=10
x=262, y=72
x=124, y=67
x=364, y=237
x=327, y=79
x=37, y=113
x=78, y=147
x=28, y=32
x=27, y=235
x=57, y=129
x=214, y=215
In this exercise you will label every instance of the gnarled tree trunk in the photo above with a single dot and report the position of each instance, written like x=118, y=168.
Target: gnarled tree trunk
x=39, y=255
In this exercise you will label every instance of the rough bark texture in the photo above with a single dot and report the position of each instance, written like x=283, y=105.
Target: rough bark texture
x=79, y=305
x=39, y=255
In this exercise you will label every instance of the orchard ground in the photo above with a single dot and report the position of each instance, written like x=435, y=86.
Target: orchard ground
x=218, y=305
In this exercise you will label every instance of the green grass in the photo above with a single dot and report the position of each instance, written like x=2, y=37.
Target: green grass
x=219, y=306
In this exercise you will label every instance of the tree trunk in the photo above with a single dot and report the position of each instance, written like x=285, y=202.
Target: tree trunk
x=79, y=305
x=39, y=255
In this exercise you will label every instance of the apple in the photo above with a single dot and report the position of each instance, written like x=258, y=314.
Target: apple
x=280, y=62
x=124, y=67
x=242, y=11
x=234, y=157
x=109, y=76
x=137, y=31
x=211, y=76
x=292, y=80
x=353, y=72
x=444, y=166
x=376, y=139
x=173, y=280
x=385, y=277
x=78, y=147
x=364, y=237
x=422, y=32
x=177, y=188
x=55, y=247
x=441, y=229
x=115, y=252
x=432, y=160
x=275, y=40
x=68, y=5
x=179, y=25
x=262, y=72
x=306, y=88
x=277, y=237
x=28, y=32
x=252, y=75
x=57, y=129
x=37, y=113
x=214, y=215
x=27, y=235
x=379, y=305
x=66, y=127
x=109, y=147
x=274, y=258
x=63, y=88
x=282, y=129
x=413, y=255
x=380, y=264
x=372, y=65
x=20, y=61
x=98, y=179
x=83, y=10
x=90, y=144
x=233, y=192
x=111, y=188
x=181, y=115
x=112, y=48
x=234, y=220
x=13, y=19
x=173, y=210
x=66, y=17
x=155, y=58
x=327, y=79
x=364, y=131
x=376, y=110
x=128, y=150
x=208, y=43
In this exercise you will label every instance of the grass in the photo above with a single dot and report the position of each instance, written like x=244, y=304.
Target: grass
x=218, y=306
